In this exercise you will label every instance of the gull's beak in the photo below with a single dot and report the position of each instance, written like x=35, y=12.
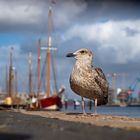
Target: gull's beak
x=70, y=55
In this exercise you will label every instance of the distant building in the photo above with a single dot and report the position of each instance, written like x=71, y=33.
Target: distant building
x=139, y=96
x=123, y=96
x=111, y=96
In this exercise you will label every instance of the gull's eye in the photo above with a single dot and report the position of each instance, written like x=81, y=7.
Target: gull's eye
x=83, y=51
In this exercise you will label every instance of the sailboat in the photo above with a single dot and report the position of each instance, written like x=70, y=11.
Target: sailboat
x=49, y=102
x=9, y=81
x=12, y=97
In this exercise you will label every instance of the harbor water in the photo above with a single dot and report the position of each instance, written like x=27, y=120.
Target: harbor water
x=107, y=110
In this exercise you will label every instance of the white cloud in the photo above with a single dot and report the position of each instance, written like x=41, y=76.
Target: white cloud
x=111, y=35
x=35, y=12
x=19, y=12
x=66, y=11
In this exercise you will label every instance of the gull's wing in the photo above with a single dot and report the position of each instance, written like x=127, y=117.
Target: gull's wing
x=103, y=84
x=100, y=73
x=101, y=80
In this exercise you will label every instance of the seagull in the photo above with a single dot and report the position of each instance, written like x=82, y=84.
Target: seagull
x=87, y=80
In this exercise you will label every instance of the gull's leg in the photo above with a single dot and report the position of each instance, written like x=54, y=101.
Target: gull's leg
x=83, y=106
x=95, y=107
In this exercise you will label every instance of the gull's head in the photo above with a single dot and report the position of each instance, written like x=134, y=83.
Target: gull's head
x=82, y=54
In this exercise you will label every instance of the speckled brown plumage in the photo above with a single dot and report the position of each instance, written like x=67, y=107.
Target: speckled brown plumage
x=87, y=80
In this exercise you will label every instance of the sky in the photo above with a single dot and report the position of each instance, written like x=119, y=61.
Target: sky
x=110, y=28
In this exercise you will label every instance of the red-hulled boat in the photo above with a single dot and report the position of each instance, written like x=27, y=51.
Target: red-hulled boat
x=53, y=102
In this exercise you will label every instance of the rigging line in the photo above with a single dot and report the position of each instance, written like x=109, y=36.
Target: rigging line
x=54, y=72
x=34, y=77
x=43, y=73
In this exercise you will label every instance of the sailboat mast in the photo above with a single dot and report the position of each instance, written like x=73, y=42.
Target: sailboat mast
x=38, y=68
x=6, y=88
x=10, y=74
x=48, y=50
x=16, y=83
x=30, y=73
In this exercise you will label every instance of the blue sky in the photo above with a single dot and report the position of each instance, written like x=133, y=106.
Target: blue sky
x=110, y=28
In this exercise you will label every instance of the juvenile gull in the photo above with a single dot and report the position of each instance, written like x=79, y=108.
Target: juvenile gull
x=87, y=80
